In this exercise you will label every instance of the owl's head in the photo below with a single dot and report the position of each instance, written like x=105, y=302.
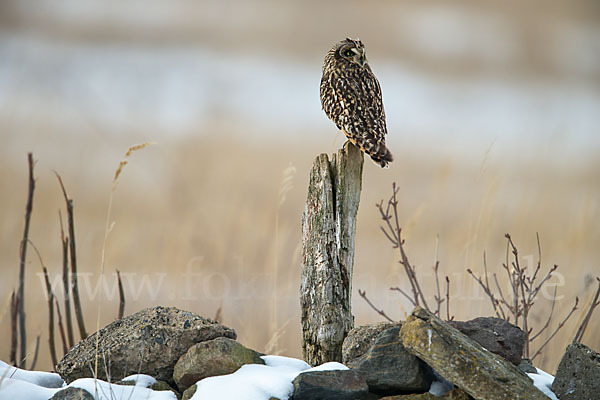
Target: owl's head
x=351, y=50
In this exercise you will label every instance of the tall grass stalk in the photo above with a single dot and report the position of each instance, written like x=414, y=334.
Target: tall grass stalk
x=107, y=229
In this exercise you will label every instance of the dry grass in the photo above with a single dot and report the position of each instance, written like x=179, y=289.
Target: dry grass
x=213, y=206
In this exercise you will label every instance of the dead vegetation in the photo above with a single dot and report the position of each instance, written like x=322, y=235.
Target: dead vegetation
x=513, y=305
x=69, y=279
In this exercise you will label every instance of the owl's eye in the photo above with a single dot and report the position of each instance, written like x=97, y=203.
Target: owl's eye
x=348, y=53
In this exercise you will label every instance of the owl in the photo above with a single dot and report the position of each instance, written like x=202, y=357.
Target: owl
x=351, y=98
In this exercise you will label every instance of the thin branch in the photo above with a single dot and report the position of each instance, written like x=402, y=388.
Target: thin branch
x=487, y=291
x=539, y=263
x=363, y=294
x=20, y=293
x=438, y=299
x=397, y=289
x=219, y=315
x=121, y=296
x=51, y=343
x=448, y=318
x=35, y=352
x=595, y=303
x=66, y=282
x=560, y=325
x=61, y=329
x=549, y=318
x=536, y=289
x=74, y=284
x=393, y=232
x=14, y=338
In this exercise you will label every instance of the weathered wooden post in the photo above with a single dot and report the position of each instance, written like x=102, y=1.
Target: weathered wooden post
x=328, y=233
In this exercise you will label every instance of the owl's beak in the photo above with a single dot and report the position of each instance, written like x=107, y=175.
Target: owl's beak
x=362, y=59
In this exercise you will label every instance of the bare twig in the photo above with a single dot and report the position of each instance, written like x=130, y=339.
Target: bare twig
x=51, y=344
x=549, y=318
x=121, y=296
x=66, y=282
x=595, y=303
x=504, y=316
x=363, y=294
x=560, y=325
x=14, y=338
x=35, y=352
x=487, y=291
x=74, y=282
x=448, y=318
x=534, y=290
x=438, y=298
x=61, y=329
x=20, y=293
x=219, y=315
x=524, y=289
x=393, y=232
x=402, y=292
x=520, y=282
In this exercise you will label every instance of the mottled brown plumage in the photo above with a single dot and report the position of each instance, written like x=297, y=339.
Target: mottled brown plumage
x=351, y=98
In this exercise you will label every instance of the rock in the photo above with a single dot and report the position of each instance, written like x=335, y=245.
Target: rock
x=361, y=338
x=454, y=394
x=496, y=335
x=464, y=362
x=527, y=367
x=220, y=356
x=388, y=367
x=147, y=342
x=331, y=385
x=72, y=393
x=578, y=374
x=189, y=393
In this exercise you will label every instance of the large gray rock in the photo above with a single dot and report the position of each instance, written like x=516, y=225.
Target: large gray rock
x=330, y=385
x=220, y=356
x=72, y=393
x=388, y=367
x=578, y=374
x=454, y=394
x=464, y=362
x=147, y=342
x=361, y=338
x=496, y=335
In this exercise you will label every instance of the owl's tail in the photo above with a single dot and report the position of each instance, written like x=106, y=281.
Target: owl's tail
x=376, y=150
x=381, y=155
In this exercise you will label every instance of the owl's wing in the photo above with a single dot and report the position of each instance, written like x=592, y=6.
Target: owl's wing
x=330, y=101
x=366, y=112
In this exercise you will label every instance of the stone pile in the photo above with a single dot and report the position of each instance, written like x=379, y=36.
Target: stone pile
x=416, y=359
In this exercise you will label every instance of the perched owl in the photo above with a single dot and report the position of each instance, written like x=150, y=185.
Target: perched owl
x=351, y=98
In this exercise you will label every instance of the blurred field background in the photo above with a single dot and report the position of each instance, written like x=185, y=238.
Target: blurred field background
x=493, y=110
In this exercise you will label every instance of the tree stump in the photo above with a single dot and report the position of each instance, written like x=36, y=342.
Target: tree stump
x=328, y=233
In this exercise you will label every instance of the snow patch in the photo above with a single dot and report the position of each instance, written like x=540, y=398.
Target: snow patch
x=140, y=380
x=17, y=384
x=543, y=381
x=15, y=389
x=328, y=366
x=287, y=362
x=43, y=379
x=259, y=382
x=110, y=391
x=250, y=382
